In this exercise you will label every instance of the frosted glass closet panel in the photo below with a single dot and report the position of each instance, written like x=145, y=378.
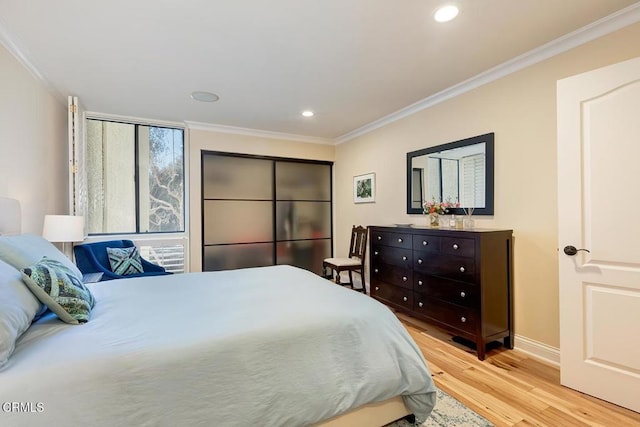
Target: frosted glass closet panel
x=265, y=211
x=237, y=221
x=303, y=220
x=303, y=214
x=228, y=177
x=303, y=181
x=229, y=257
x=237, y=212
x=307, y=254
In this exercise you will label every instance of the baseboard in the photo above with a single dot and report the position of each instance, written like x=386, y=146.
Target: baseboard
x=537, y=349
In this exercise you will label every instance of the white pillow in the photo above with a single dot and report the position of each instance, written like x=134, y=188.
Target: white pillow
x=24, y=250
x=18, y=306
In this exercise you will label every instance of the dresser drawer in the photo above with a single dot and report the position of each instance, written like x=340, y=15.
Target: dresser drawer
x=462, y=318
x=393, y=256
x=394, y=275
x=394, y=294
x=445, y=265
x=457, y=279
x=458, y=246
x=398, y=240
x=460, y=293
x=426, y=243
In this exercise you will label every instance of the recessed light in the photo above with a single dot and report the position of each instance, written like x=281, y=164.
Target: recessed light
x=445, y=13
x=307, y=113
x=204, y=96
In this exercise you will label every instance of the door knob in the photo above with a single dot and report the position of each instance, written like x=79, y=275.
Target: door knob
x=571, y=250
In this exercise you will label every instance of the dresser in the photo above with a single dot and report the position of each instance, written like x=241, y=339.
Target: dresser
x=459, y=280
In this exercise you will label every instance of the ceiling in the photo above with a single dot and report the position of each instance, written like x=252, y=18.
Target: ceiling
x=352, y=62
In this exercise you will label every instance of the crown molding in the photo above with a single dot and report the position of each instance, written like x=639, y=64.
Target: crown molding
x=132, y=120
x=258, y=133
x=7, y=41
x=608, y=24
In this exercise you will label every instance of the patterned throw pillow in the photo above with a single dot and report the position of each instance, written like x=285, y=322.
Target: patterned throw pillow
x=60, y=289
x=125, y=261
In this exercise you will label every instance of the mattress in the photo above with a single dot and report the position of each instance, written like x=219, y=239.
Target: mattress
x=269, y=346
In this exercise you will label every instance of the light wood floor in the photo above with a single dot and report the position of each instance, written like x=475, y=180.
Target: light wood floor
x=510, y=388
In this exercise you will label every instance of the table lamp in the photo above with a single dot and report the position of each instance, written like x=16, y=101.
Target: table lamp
x=63, y=229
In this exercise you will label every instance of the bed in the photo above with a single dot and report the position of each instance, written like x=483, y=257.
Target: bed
x=272, y=346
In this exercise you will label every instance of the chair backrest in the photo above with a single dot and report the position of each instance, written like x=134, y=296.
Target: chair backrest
x=358, y=245
x=99, y=252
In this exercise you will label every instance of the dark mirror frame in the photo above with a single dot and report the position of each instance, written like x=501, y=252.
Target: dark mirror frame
x=488, y=139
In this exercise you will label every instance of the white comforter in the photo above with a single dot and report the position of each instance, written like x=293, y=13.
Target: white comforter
x=272, y=346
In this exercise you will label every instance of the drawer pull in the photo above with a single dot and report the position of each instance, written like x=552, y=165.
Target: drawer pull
x=399, y=240
x=420, y=304
x=404, y=278
x=375, y=252
x=425, y=243
x=377, y=288
x=404, y=299
x=375, y=270
x=463, y=319
x=379, y=237
x=419, y=282
x=404, y=258
x=419, y=260
x=462, y=270
x=455, y=246
x=462, y=294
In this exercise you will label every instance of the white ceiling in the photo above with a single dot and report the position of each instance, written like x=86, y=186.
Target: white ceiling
x=351, y=61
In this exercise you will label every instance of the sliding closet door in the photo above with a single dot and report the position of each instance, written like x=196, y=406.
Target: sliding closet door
x=303, y=214
x=265, y=211
x=237, y=212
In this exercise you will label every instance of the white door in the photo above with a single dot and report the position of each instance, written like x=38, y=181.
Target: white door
x=599, y=210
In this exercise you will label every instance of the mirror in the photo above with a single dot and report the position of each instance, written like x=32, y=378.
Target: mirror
x=458, y=172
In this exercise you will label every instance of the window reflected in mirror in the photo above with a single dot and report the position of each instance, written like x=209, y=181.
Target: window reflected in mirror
x=459, y=172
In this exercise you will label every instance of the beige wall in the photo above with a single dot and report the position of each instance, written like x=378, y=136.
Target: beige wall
x=33, y=145
x=521, y=110
x=202, y=140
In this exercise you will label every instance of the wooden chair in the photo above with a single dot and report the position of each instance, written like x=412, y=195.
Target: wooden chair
x=355, y=261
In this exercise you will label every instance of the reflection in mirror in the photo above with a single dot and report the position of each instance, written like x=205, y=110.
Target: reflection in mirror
x=459, y=172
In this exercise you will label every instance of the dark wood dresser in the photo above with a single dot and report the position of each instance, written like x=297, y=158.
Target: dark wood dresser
x=460, y=280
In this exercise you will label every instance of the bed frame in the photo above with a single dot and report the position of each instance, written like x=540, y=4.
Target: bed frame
x=372, y=414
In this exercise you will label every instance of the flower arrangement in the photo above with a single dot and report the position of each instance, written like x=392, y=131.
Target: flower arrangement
x=433, y=207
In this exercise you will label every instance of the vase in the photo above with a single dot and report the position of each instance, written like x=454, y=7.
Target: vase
x=434, y=219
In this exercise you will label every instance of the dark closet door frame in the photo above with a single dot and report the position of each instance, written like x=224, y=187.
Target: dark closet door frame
x=273, y=159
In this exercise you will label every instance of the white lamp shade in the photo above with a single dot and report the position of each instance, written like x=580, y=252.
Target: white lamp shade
x=63, y=228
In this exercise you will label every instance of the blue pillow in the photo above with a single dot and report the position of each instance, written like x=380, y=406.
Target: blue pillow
x=60, y=289
x=125, y=261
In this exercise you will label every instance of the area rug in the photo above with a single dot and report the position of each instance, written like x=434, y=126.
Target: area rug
x=448, y=413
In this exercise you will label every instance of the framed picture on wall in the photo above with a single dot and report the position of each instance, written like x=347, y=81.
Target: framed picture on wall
x=364, y=188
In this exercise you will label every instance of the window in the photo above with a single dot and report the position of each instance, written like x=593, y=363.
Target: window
x=472, y=177
x=135, y=178
x=135, y=187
